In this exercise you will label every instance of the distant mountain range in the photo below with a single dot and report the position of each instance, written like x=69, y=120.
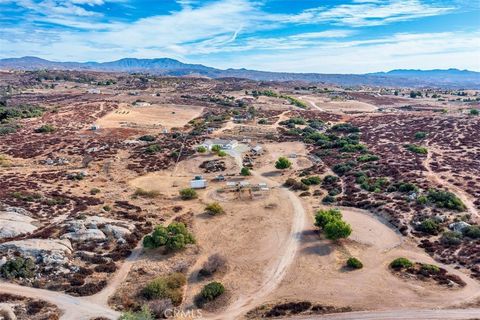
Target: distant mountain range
x=451, y=78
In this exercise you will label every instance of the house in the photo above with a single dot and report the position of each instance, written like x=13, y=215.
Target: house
x=93, y=90
x=224, y=144
x=257, y=149
x=198, y=183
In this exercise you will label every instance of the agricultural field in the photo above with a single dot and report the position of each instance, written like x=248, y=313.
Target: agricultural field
x=194, y=198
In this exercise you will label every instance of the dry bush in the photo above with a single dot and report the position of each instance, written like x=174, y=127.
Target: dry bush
x=215, y=262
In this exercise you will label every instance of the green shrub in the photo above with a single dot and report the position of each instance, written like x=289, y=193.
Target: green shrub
x=283, y=163
x=214, y=208
x=314, y=180
x=143, y=314
x=7, y=129
x=419, y=135
x=167, y=287
x=407, y=187
x=221, y=153
x=354, y=263
x=212, y=291
x=451, y=238
x=337, y=229
x=201, y=149
x=445, y=199
x=416, y=149
x=429, y=226
x=368, y=158
x=146, y=194
x=147, y=138
x=174, y=237
x=188, y=194
x=245, y=171
x=94, y=191
x=18, y=267
x=429, y=268
x=322, y=217
x=216, y=148
x=474, y=112
x=472, y=232
x=401, y=263
x=342, y=168
x=46, y=128
x=262, y=121
x=153, y=148
x=345, y=127
x=328, y=199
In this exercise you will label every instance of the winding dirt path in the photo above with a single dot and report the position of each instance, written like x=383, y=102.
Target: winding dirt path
x=73, y=308
x=464, y=196
x=274, y=275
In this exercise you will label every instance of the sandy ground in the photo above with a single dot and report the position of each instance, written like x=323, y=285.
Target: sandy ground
x=168, y=116
x=346, y=106
x=319, y=267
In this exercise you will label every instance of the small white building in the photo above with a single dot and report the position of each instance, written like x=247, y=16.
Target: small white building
x=93, y=90
x=224, y=144
x=257, y=149
x=198, y=183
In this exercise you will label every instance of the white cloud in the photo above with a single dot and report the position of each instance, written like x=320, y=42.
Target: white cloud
x=370, y=13
x=419, y=51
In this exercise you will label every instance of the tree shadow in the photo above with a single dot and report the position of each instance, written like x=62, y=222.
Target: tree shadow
x=319, y=249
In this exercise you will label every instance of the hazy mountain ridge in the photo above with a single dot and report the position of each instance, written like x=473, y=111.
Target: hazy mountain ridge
x=451, y=78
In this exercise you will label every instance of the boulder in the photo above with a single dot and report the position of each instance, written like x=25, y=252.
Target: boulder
x=85, y=235
x=458, y=226
x=15, y=221
x=39, y=249
x=6, y=312
x=116, y=231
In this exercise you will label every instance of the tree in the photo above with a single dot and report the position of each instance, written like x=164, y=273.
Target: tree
x=212, y=291
x=474, y=112
x=214, y=208
x=337, y=229
x=221, y=153
x=174, y=237
x=216, y=148
x=283, y=163
x=245, y=171
x=325, y=216
x=201, y=149
x=188, y=194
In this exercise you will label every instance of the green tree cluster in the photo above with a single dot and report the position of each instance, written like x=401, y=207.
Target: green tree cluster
x=332, y=224
x=174, y=237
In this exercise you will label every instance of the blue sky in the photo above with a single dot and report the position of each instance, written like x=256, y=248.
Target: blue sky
x=354, y=36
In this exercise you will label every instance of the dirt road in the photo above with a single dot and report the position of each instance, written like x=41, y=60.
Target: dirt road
x=73, y=308
x=466, y=198
x=274, y=275
x=415, y=314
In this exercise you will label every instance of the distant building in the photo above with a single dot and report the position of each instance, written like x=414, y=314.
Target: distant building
x=93, y=90
x=257, y=149
x=198, y=183
x=95, y=127
x=224, y=144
